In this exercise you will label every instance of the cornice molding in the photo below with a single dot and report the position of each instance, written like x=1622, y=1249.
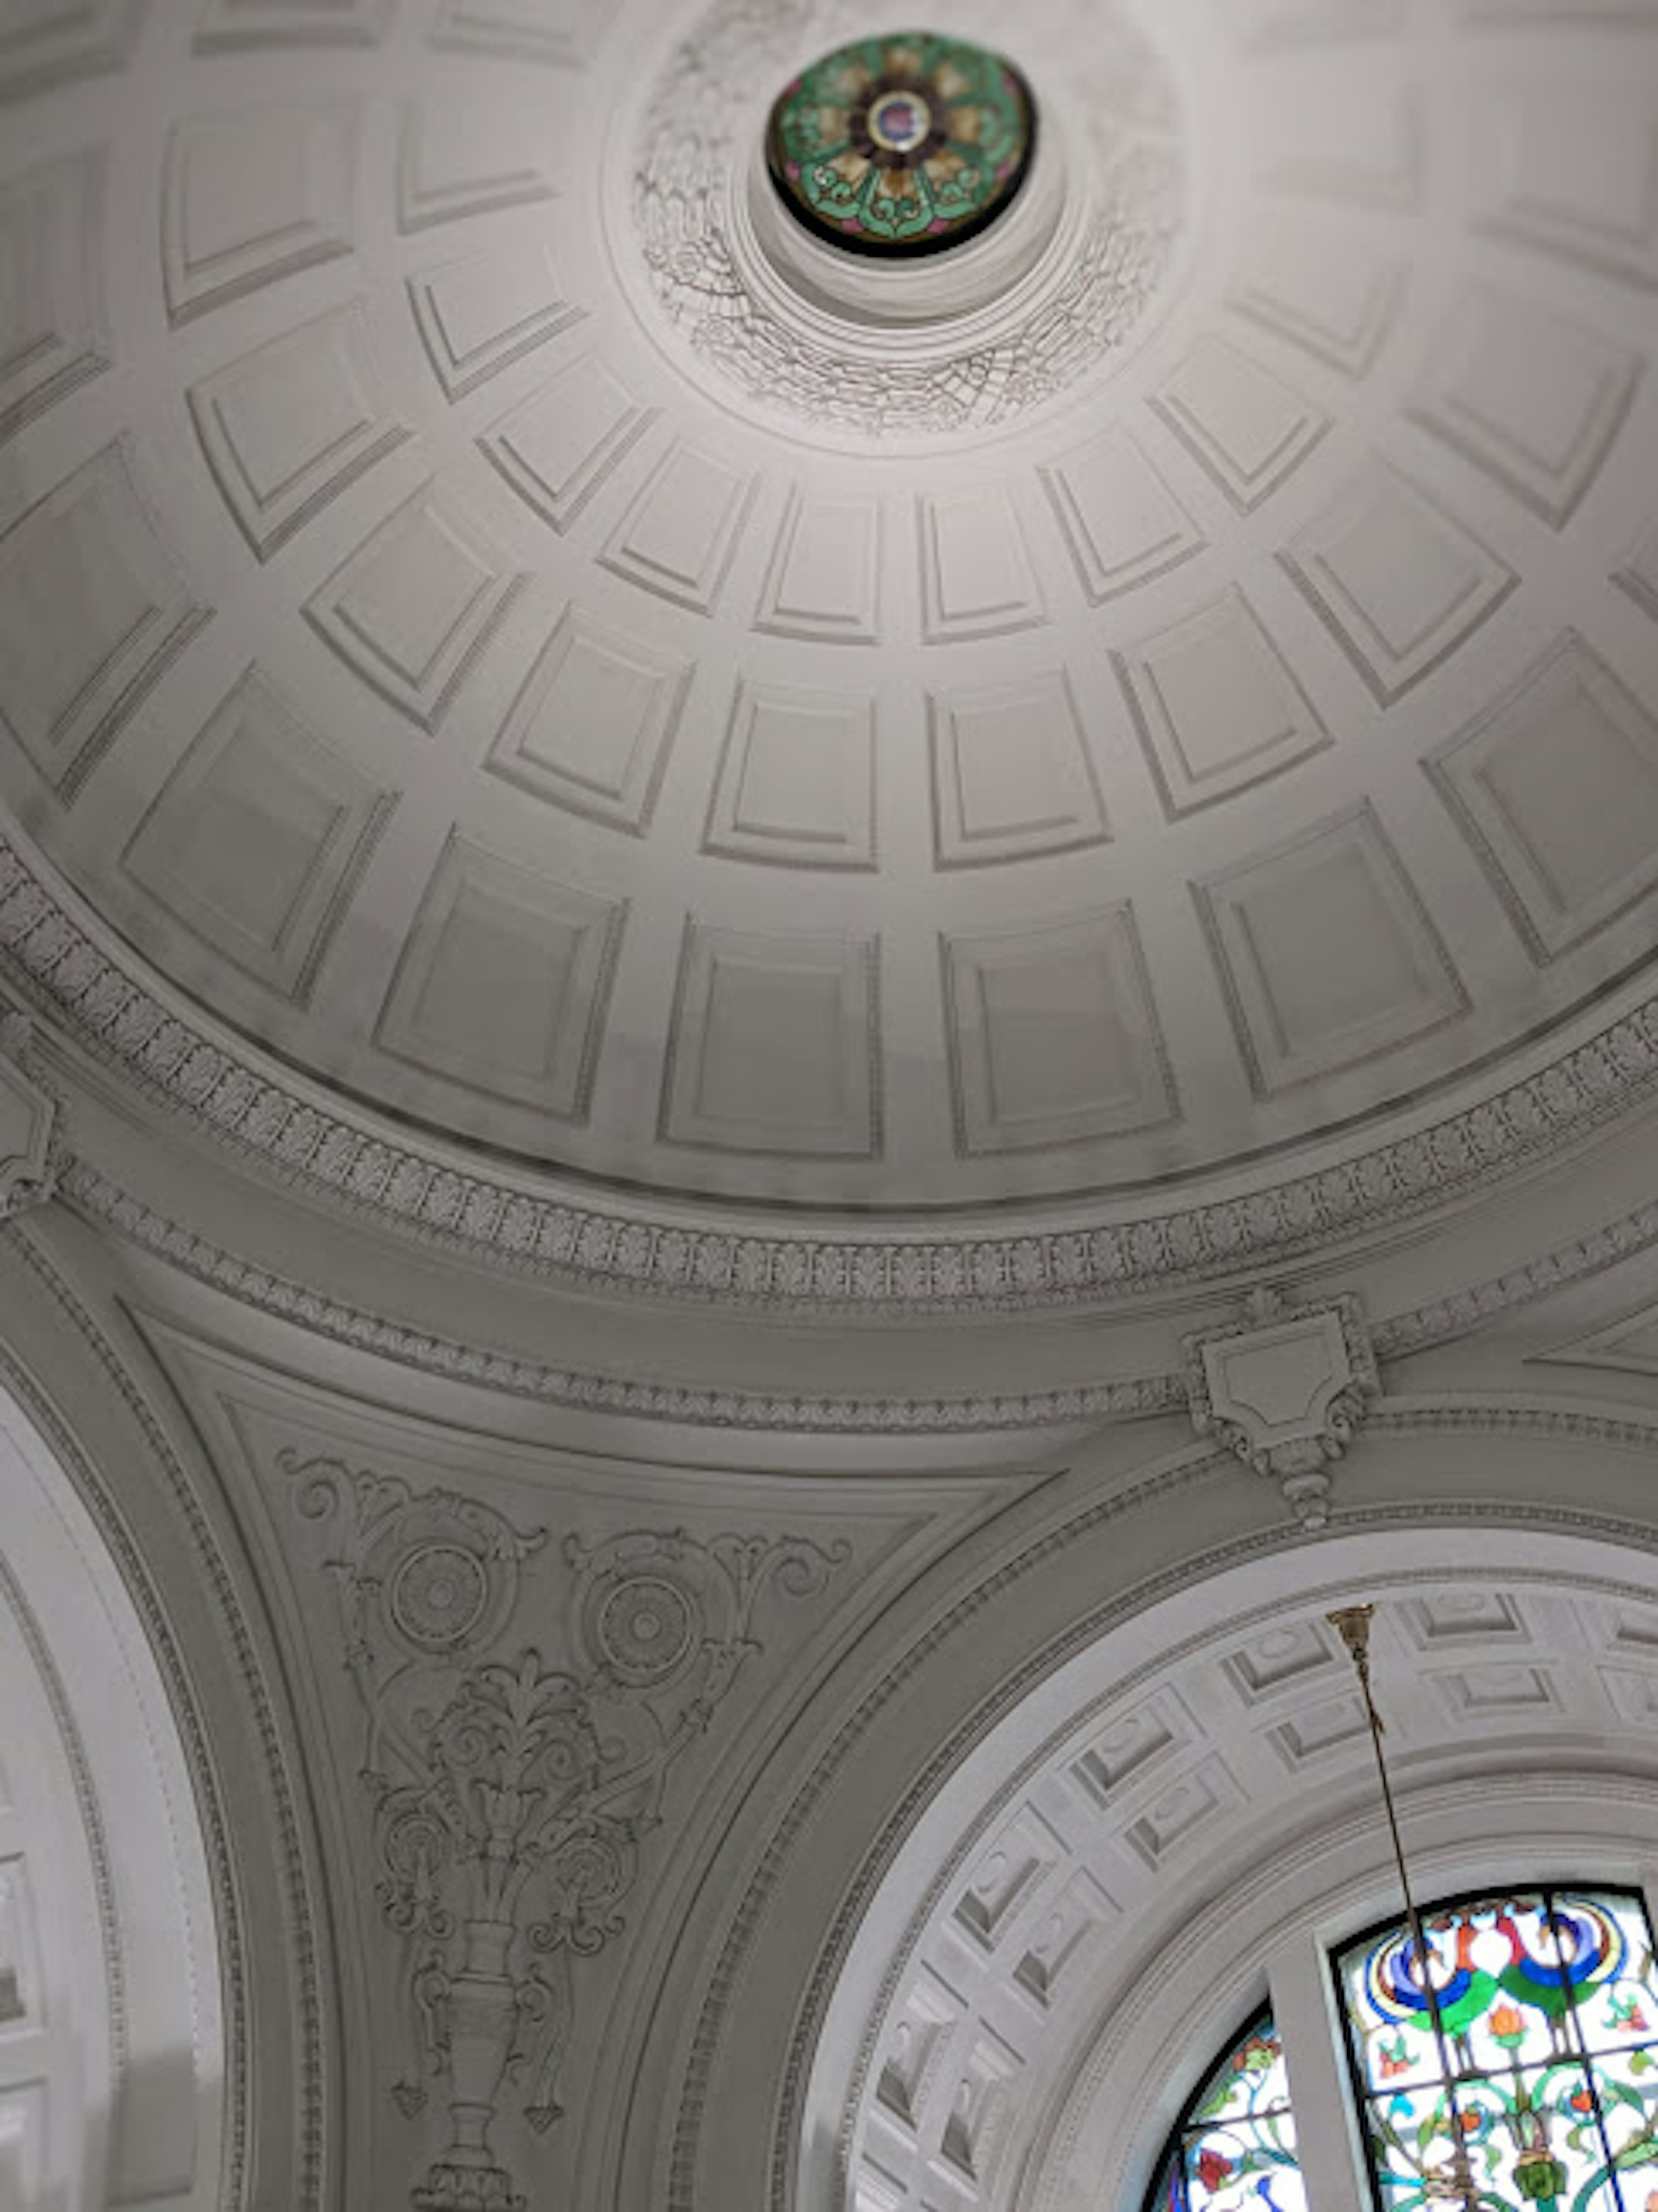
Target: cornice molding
x=1441, y=1320
x=380, y=1171
x=99, y=1200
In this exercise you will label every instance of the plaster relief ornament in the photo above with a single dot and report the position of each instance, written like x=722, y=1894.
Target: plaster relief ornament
x=1285, y=1391
x=790, y=199
x=901, y=145
x=514, y=1787
x=32, y=1150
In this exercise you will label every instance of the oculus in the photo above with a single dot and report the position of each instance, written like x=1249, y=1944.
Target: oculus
x=904, y=145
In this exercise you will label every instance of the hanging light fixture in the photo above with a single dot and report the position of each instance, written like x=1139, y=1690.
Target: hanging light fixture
x=1454, y=2184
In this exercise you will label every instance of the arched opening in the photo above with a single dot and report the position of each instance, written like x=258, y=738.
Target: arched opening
x=1172, y=1837
x=112, y=2065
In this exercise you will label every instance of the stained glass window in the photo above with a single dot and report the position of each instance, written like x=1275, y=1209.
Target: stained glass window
x=1235, y=2145
x=903, y=144
x=1544, y=2064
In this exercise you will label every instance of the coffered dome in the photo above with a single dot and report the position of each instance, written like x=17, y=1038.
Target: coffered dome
x=497, y=615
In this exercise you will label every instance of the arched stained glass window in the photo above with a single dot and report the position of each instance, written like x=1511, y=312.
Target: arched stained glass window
x=1545, y=2065
x=1234, y=2147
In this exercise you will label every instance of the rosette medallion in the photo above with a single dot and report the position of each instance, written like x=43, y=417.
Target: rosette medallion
x=901, y=145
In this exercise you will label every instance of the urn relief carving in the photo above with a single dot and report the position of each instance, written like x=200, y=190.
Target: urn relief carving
x=514, y=1785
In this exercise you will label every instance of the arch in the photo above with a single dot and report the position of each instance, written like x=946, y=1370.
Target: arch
x=1056, y=1988
x=112, y=2049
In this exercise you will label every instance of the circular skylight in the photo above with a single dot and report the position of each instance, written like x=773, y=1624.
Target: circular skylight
x=902, y=145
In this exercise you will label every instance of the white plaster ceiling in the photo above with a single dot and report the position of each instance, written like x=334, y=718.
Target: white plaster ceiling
x=1199, y=697
x=1147, y=1820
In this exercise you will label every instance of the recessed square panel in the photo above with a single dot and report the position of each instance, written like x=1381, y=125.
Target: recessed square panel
x=290, y=426
x=52, y=337
x=1531, y=398
x=774, y=1046
x=593, y=722
x=504, y=982
x=416, y=603
x=93, y=610
x=1215, y=705
x=1556, y=787
x=1399, y=581
x=465, y=156
x=678, y=538
x=1123, y=525
x=258, y=838
x=977, y=579
x=1013, y=774
x=564, y=33
x=1311, y=282
x=796, y=787
x=558, y=447
x=1054, y=1036
x=1244, y=425
x=824, y=579
x=480, y=313
x=1327, y=953
x=1571, y=171
x=225, y=25
x=58, y=39
x=253, y=195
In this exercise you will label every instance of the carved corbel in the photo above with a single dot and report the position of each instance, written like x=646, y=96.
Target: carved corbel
x=1285, y=1391
x=32, y=1154
x=512, y=1785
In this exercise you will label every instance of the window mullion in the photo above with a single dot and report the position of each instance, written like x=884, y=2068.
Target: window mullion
x=1298, y=1981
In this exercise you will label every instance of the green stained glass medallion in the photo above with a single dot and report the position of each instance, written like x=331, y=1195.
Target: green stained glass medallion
x=901, y=145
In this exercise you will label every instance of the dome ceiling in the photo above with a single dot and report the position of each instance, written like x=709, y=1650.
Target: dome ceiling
x=491, y=615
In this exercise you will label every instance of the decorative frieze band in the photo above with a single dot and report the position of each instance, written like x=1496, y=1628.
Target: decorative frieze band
x=707, y=1406
x=1440, y=1322
x=384, y=1173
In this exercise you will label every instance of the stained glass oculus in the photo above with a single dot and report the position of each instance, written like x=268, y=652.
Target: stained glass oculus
x=1548, y=2004
x=902, y=145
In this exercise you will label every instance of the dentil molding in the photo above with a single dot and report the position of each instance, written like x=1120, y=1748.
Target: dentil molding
x=376, y=1168
x=1441, y=1320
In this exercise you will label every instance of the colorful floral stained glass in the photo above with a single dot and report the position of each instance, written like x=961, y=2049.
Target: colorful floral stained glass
x=1234, y=2146
x=901, y=145
x=1547, y=2073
